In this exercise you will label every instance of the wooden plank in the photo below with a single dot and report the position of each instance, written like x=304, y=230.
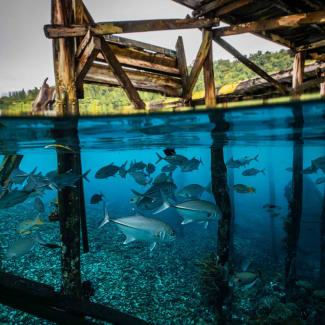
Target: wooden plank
x=310, y=46
x=291, y=21
x=170, y=86
x=118, y=27
x=120, y=75
x=143, y=60
x=181, y=61
x=85, y=41
x=208, y=74
x=198, y=64
x=213, y=5
x=249, y=63
x=86, y=60
x=139, y=45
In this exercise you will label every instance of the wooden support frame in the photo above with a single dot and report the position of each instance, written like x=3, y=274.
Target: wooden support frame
x=249, y=63
x=311, y=46
x=220, y=7
x=291, y=21
x=198, y=64
x=118, y=27
x=181, y=60
x=298, y=72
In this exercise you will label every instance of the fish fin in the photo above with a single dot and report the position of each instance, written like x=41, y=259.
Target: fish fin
x=153, y=245
x=106, y=218
x=33, y=171
x=263, y=171
x=201, y=162
x=206, y=224
x=245, y=265
x=38, y=221
x=159, y=157
x=186, y=221
x=85, y=175
x=128, y=239
x=27, y=232
x=255, y=158
x=208, y=188
x=165, y=205
x=137, y=194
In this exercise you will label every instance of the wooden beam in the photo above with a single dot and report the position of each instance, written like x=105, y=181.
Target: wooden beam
x=143, y=60
x=209, y=85
x=298, y=71
x=181, y=61
x=85, y=41
x=310, y=46
x=292, y=21
x=103, y=75
x=139, y=45
x=192, y=4
x=249, y=63
x=198, y=64
x=86, y=60
x=120, y=75
x=213, y=5
x=118, y=27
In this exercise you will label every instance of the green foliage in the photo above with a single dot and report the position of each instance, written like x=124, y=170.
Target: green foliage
x=106, y=100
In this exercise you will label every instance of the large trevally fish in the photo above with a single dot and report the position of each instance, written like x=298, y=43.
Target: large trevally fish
x=193, y=211
x=139, y=227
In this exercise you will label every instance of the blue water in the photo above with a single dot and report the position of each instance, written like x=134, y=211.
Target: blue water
x=162, y=286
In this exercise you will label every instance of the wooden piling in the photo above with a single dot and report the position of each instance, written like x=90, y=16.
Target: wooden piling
x=292, y=224
x=222, y=198
x=298, y=73
x=322, y=246
x=8, y=164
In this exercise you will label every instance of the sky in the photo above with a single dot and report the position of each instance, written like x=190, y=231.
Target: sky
x=26, y=54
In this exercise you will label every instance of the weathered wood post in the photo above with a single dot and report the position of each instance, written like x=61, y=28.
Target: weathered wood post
x=298, y=73
x=67, y=12
x=221, y=194
x=210, y=89
x=292, y=224
x=322, y=87
x=322, y=246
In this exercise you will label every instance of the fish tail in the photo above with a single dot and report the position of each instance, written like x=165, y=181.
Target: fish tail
x=263, y=171
x=201, y=162
x=85, y=175
x=137, y=194
x=159, y=157
x=255, y=158
x=38, y=221
x=208, y=188
x=165, y=205
x=106, y=218
x=32, y=172
x=37, y=237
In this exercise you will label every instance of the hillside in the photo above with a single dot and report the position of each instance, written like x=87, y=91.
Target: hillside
x=105, y=100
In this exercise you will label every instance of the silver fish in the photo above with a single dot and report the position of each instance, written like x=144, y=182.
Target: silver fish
x=177, y=160
x=140, y=177
x=246, y=160
x=9, y=199
x=231, y=163
x=142, y=228
x=168, y=168
x=150, y=168
x=191, y=165
x=135, y=166
x=162, y=178
x=20, y=247
x=194, y=191
x=252, y=172
x=194, y=210
x=107, y=171
x=68, y=179
x=17, y=176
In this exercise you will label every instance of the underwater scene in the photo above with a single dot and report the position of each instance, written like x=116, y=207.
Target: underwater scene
x=207, y=217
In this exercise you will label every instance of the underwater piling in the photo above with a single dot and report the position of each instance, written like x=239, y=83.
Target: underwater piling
x=221, y=194
x=292, y=225
x=322, y=246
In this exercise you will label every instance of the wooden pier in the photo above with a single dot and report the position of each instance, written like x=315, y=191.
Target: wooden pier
x=89, y=52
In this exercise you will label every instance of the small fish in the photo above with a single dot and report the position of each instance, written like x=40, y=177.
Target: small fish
x=150, y=168
x=9, y=199
x=68, y=179
x=271, y=206
x=107, y=171
x=319, y=163
x=60, y=146
x=140, y=177
x=252, y=172
x=289, y=169
x=246, y=160
x=122, y=171
x=96, y=198
x=194, y=191
x=25, y=225
x=39, y=205
x=231, y=163
x=309, y=170
x=168, y=168
x=177, y=160
x=191, y=165
x=142, y=228
x=136, y=166
x=18, y=176
x=320, y=180
x=162, y=178
x=245, y=280
x=241, y=188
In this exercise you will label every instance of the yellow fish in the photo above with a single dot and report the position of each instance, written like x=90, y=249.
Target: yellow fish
x=57, y=146
x=25, y=225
